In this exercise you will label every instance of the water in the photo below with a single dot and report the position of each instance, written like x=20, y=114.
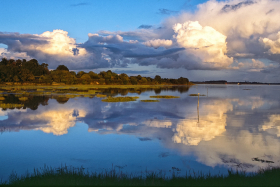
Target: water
x=234, y=127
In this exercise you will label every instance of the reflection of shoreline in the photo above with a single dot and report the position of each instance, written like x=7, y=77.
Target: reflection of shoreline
x=213, y=140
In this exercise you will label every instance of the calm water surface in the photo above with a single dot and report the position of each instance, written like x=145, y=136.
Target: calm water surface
x=233, y=127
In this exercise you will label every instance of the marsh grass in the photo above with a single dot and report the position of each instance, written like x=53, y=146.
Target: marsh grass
x=119, y=99
x=10, y=105
x=100, y=95
x=149, y=100
x=197, y=95
x=80, y=87
x=70, y=176
x=23, y=98
x=2, y=98
x=164, y=96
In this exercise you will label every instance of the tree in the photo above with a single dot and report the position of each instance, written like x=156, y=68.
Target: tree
x=93, y=75
x=143, y=80
x=62, y=67
x=15, y=78
x=80, y=73
x=133, y=80
x=158, y=79
x=183, y=80
x=85, y=78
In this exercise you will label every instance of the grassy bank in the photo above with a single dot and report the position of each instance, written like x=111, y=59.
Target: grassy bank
x=67, y=176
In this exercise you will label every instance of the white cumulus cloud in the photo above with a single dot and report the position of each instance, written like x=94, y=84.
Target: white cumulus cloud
x=204, y=42
x=158, y=43
x=273, y=45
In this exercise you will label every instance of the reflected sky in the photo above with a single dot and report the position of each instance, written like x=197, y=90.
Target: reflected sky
x=232, y=125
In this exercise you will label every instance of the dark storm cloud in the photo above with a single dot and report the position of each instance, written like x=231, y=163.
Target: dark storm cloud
x=145, y=27
x=15, y=39
x=158, y=54
x=166, y=11
x=228, y=8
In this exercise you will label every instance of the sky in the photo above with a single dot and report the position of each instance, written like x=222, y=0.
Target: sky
x=233, y=40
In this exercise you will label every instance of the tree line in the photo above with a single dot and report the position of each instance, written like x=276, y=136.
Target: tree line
x=22, y=71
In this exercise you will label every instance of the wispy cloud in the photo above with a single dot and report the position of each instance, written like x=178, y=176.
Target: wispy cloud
x=145, y=27
x=227, y=7
x=80, y=4
x=166, y=11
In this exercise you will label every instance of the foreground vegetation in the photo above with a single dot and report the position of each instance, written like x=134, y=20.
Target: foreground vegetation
x=68, y=176
x=22, y=72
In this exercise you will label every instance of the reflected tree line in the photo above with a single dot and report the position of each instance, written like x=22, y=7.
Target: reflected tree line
x=26, y=72
x=15, y=101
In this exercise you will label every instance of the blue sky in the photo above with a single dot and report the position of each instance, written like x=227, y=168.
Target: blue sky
x=235, y=40
x=82, y=17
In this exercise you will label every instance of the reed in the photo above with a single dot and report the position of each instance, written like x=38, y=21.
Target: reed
x=70, y=176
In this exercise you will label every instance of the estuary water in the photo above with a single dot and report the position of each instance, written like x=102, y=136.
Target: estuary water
x=234, y=126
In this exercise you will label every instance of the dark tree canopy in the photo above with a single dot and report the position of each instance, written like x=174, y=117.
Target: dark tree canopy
x=62, y=67
x=22, y=71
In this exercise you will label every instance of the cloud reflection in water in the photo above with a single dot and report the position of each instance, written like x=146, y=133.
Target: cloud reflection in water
x=217, y=139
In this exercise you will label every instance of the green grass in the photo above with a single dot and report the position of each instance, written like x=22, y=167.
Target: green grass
x=69, y=176
x=197, y=95
x=119, y=99
x=149, y=100
x=164, y=96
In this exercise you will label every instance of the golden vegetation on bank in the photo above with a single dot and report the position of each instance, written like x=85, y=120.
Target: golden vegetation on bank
x=197, y=95
x=8, y=105
x=149, y=100
x=164, y=96
x=101, y=95
x=119, y=99
x=23, y=98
